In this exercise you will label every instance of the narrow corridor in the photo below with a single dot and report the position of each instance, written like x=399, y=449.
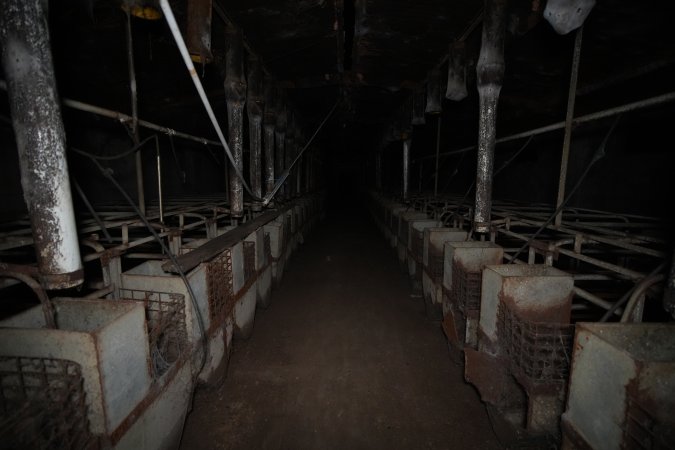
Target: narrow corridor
x=343, y=358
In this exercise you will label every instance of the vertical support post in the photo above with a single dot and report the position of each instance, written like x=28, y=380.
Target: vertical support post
x=269, y=122
x=290, y=155
x=235, y=92
x=438, y=150
x=406, y=167
x=140, y=186
x=280, y=138
x=434, y=100
x=41, y=141
x=567, y=140
x=490, y=75
x=378, y=170
x=198, y=38
x=256, y=106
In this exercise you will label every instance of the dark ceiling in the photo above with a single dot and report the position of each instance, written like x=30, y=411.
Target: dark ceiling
x=370, y=53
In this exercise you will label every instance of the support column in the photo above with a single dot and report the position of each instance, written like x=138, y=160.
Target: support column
x=235, y=92
x=41, y=141
x=289, y=186
x=490, y=76
x=269, y=122
x=256, y=106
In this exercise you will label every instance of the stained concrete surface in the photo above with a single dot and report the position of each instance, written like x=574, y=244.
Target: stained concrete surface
x=344, y=358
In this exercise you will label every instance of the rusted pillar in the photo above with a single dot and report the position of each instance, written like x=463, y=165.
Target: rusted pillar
x=235, y=92
x=280, y=139
x=490, y=75
x=256, y=106
x=434, y=100
x=406, y=166
x=198, y=38
x=456, y=87
x=41, y=141
x=289, y=186
x=269, y=122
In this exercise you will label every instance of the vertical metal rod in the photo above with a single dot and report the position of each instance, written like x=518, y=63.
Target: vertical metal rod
x=490, y=75
x=567, y=141
x=438, y=150
x=41, y=141
x=159, y=184
x=269, y=122
x=133, y=89
x=406, y=167
x=235, y=92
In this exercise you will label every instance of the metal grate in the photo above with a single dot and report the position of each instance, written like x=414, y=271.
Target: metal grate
x=417, y=245
x=436, y=264
x=539, y=352
x=165, y=319
x=466, y=288
x=642, y=432
x=250, y=271
x=43, y=405
x=219, y=286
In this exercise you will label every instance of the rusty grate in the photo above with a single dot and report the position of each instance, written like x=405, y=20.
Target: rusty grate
x=466, y=288
x=436, y=264
x=417, y=245
x=43, y=404
x=250, y=271
x=219, y=286
x=165, y=320
x=539, y=352
x=641, y=431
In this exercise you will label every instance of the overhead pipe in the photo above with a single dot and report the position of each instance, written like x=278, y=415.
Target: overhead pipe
x=490, y=75
x=269, y=122
x=41, y=141
x=256, y=107
x=235, y=93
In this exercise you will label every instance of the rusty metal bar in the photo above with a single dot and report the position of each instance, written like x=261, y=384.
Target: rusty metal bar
x=490, y=75
x=255, y=107
x=235, y=92
x=571, y=97
x=40, y=138
x=280, y=139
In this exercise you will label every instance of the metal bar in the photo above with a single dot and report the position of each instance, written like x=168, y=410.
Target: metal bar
x=605, y=113
x=571, y=97
x=255, y=108
x=41, y=141
x=133, y=92
x=269, y=122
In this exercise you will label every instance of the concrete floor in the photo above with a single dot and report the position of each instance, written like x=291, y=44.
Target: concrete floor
x=344, y=358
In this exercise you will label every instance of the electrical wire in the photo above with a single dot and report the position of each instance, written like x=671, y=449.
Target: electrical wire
x=107, y=173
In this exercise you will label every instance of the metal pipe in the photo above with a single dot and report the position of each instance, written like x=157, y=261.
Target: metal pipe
x=406, y=167
x=638, y=297
x=235, y=92
x=290, y=153
x=603, y=114
x=571, y=97
x=490, y=75
x=41, y=141
x=47, y=307
x=280, y=138
x=255, y=107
